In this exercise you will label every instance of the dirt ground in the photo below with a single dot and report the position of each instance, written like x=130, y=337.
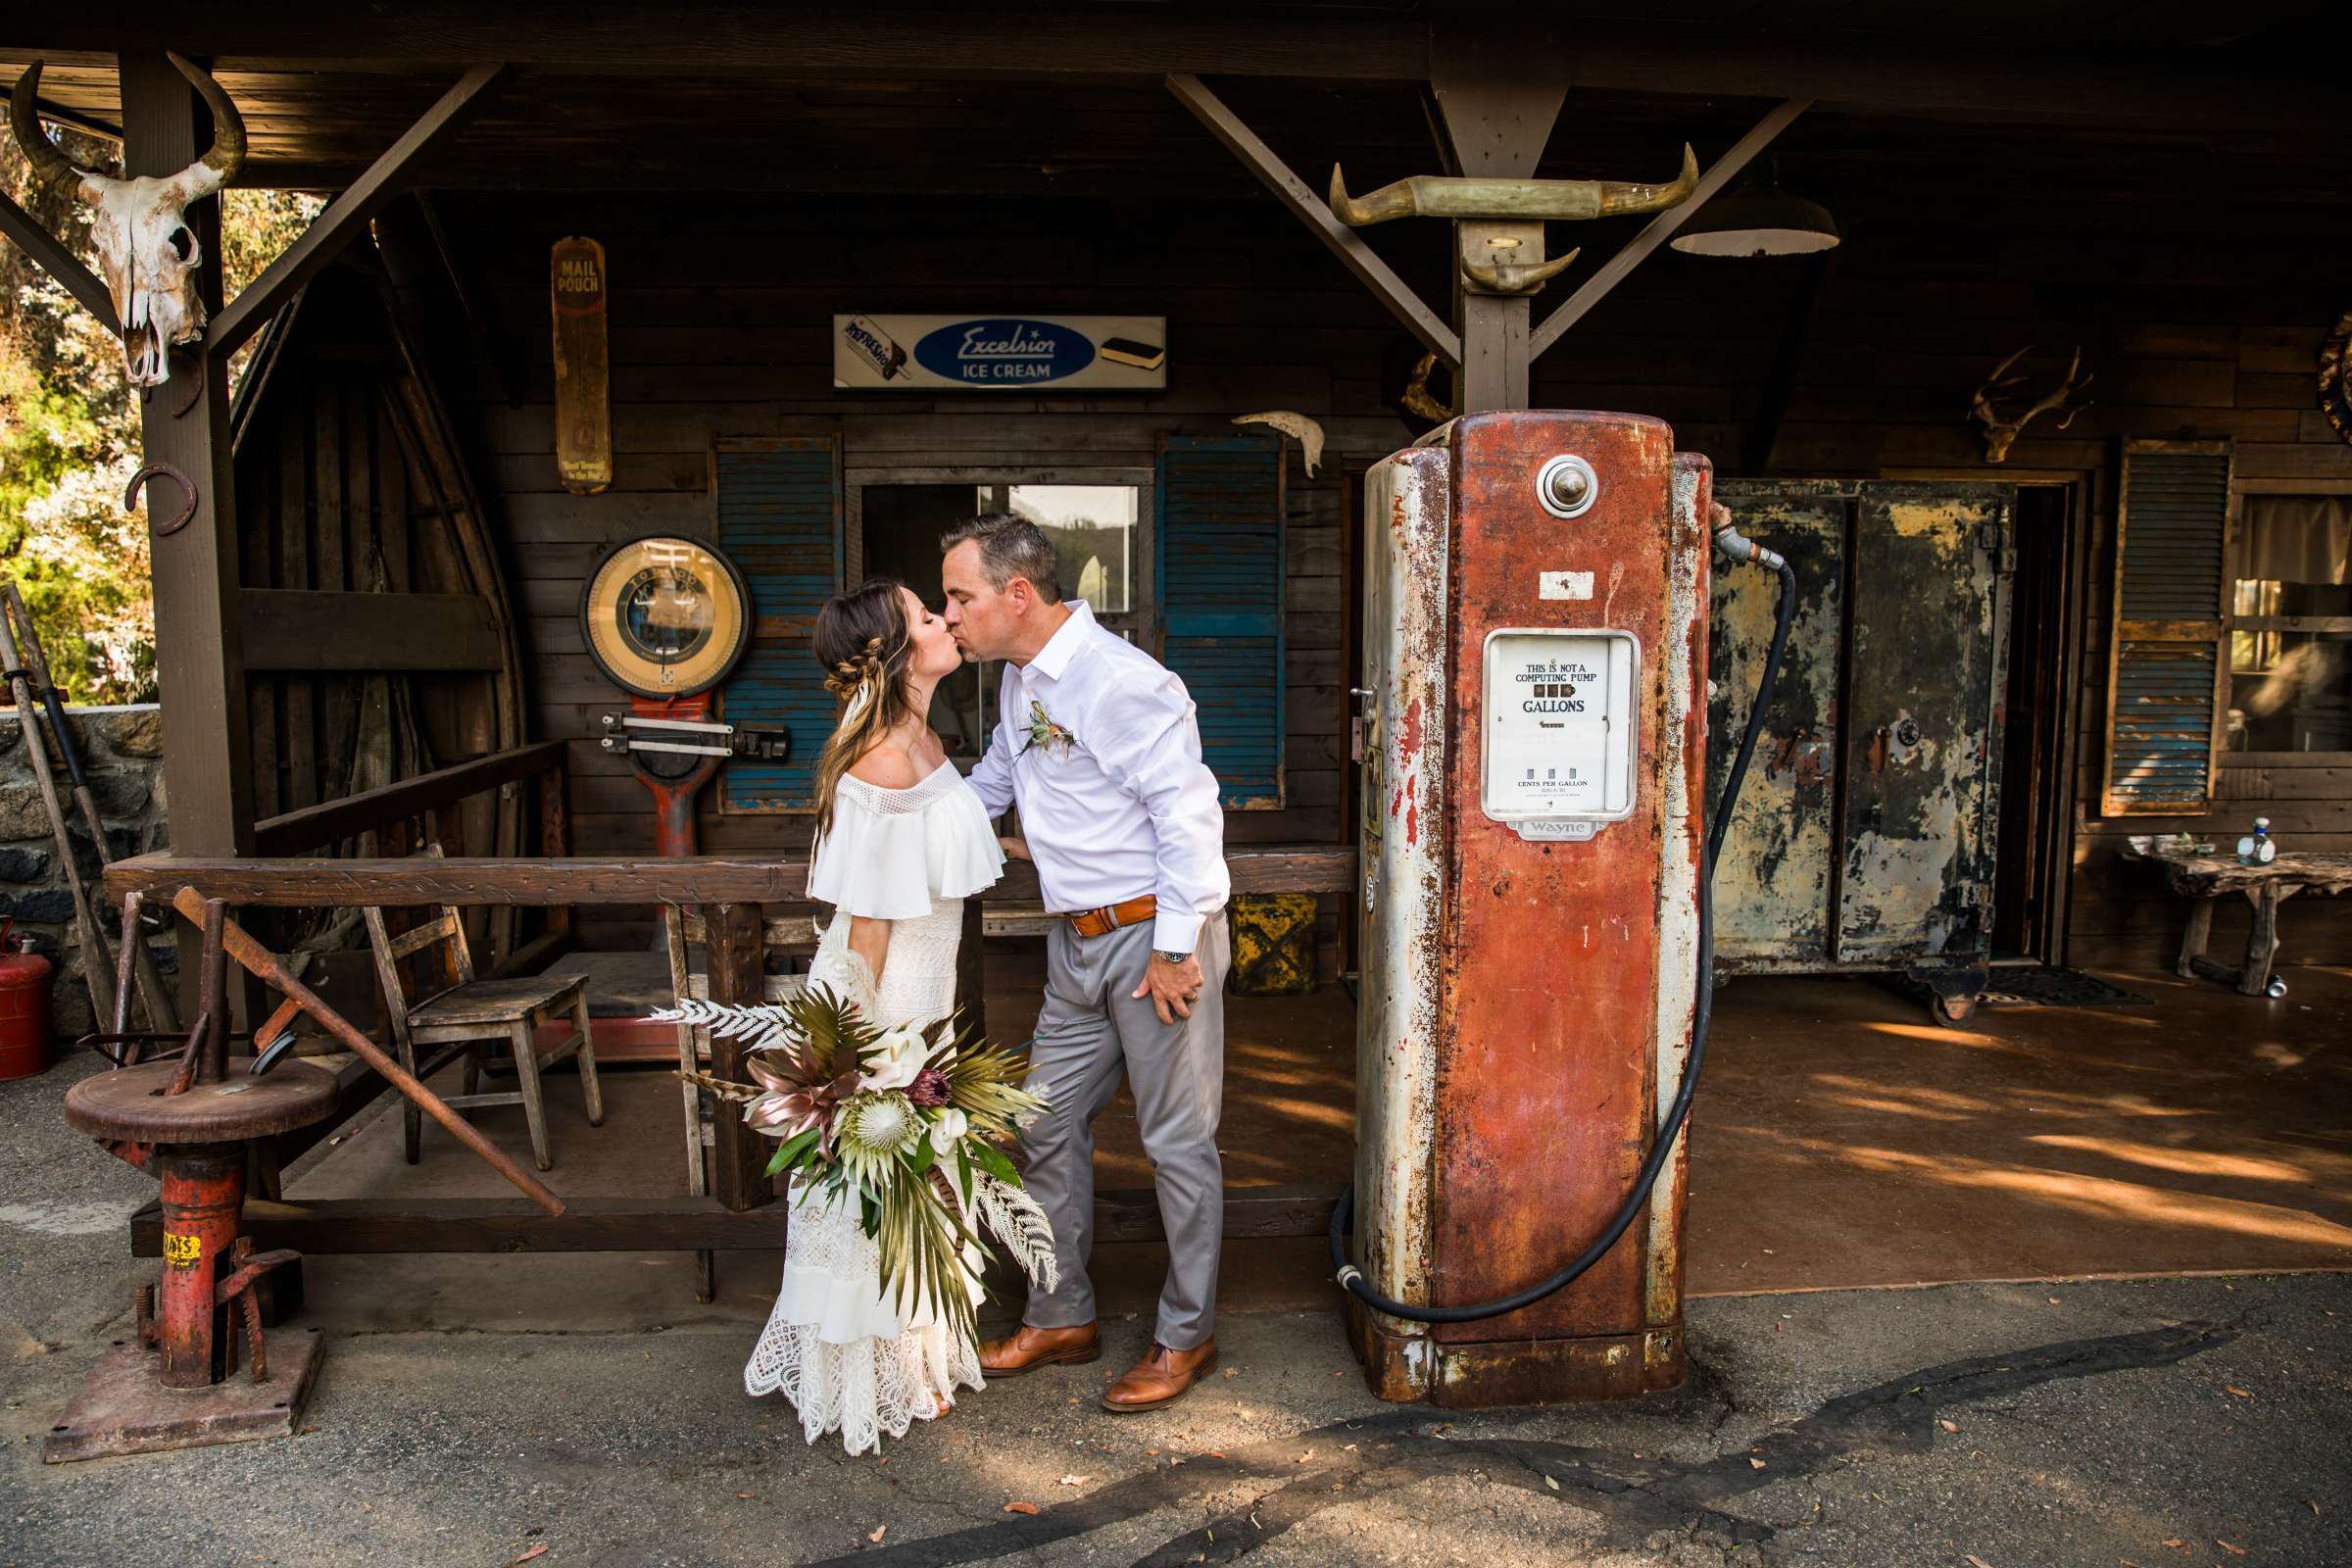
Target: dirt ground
x=474, y=1410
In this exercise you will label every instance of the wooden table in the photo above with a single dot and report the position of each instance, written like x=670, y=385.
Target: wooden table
x=2209, y=878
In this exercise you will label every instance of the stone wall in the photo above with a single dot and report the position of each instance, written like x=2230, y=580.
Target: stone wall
x=123, y=755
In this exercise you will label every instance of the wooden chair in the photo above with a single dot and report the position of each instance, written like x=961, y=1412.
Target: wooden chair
x=471, y=1015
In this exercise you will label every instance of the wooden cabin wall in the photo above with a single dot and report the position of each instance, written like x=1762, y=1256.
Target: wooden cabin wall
x=720, y=318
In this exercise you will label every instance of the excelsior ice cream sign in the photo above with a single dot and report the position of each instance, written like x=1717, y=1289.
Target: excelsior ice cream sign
x=999, y=353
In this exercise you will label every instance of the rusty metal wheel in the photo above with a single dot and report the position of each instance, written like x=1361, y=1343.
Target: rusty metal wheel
x=1953, y=1011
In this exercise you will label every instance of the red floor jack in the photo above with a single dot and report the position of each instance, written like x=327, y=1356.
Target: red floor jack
x=186, y=1120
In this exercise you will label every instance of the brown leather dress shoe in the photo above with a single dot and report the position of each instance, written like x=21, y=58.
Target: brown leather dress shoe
x=1159, y=1378
x=1031, y=1347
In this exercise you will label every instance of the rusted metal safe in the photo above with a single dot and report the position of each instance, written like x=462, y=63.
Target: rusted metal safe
x=1866, y=837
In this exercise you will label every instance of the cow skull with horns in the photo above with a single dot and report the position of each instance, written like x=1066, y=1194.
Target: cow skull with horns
x=145, y=247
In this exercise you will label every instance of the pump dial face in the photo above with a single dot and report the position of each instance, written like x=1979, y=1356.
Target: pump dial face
x=666, y=617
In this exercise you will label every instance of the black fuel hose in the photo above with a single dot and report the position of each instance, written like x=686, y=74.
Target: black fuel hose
x=1351, y=1279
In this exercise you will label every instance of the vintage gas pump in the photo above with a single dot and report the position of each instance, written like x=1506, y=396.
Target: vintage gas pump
x=1532, y=911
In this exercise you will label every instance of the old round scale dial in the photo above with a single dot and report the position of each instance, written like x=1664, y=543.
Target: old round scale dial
x=666, y=617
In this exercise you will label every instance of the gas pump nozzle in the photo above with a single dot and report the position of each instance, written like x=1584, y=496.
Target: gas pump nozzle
x=1737, y=546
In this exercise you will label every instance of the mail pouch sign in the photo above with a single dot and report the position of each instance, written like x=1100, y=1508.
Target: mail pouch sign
x=998, y=353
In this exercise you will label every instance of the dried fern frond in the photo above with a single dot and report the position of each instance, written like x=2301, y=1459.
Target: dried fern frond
x=728, y=1020
x=1014, y=1218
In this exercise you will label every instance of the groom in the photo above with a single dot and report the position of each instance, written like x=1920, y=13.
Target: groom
x=1096, y=744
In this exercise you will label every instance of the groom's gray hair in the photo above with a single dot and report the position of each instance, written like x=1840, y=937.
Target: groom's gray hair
x=1011, y=546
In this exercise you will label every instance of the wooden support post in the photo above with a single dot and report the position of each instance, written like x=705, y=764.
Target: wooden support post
x=199, y=634
x=554, y=837
x=733, y=943
x=2262, y=939
x=1662, y=228
x=1498, y=113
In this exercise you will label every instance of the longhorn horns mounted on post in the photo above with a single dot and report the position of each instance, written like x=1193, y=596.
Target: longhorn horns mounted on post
x=1508, y=201
x=1486, y=200
x=2002, y=433
x=146, y=248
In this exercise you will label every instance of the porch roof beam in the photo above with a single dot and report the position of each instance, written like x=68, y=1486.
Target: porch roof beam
x=349, y=211
x=1662, y=227
x=1293, y=192
x=1925, y=73
x=50, y=254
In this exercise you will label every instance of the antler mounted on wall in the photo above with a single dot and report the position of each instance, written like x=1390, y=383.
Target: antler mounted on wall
x=2001, y=433
x=2335, y=378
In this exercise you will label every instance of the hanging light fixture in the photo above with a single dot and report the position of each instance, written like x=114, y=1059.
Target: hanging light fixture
x=1756, y=218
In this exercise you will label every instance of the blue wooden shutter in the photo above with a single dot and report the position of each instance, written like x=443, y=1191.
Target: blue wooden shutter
x=778, y=516
x=1221, y=566
x=2167, y=653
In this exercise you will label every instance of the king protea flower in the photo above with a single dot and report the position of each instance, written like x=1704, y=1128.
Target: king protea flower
x=874, y=1129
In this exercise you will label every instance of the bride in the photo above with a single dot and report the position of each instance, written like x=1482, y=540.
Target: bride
x=902, y=840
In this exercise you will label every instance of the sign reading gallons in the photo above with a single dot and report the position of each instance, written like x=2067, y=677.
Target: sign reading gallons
x=999, y=353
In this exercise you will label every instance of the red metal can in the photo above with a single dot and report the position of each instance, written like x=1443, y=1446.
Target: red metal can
x=26, y=981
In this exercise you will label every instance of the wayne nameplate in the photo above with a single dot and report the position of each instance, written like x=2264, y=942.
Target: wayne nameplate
x=999, y=353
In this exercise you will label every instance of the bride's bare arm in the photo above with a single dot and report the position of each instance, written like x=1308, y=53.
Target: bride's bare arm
x=871, y=940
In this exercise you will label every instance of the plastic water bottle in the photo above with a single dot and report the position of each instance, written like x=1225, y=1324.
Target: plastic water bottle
x=2256, y=848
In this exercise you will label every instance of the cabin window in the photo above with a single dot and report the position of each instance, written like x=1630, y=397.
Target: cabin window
x=1100, y=524
x=2291, y=639
x=1096, y=532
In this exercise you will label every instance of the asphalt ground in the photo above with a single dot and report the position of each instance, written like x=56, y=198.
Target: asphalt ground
x=2147, y=1422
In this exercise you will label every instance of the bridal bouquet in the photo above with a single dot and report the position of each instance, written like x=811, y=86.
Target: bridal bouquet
x=906, y=1123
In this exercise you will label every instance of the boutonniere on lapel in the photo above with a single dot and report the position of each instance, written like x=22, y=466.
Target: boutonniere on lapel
x=1042, y=731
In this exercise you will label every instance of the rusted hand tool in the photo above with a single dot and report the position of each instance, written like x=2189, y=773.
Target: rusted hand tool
x=27, y=669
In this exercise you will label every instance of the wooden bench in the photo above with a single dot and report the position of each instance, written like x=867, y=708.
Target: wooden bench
x=2206, y=879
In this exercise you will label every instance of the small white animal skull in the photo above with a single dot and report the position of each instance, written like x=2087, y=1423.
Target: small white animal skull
x=148, y=253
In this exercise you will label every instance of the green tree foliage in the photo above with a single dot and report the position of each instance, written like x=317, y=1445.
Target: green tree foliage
x=69, y=435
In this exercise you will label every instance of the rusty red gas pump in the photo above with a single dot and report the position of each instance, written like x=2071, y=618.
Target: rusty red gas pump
x=1533, y=910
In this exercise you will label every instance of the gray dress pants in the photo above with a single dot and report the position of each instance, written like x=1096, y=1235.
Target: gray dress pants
x=1090, y=1031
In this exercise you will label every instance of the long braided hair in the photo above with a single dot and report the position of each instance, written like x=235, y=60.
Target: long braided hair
x=861, y=641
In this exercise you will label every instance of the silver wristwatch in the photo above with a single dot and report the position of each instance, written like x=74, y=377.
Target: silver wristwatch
x=1169, y=957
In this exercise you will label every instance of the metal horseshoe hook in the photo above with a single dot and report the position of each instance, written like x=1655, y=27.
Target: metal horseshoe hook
x=187, y=488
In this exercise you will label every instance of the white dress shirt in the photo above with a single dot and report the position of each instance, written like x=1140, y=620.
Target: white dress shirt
x=1126, y=807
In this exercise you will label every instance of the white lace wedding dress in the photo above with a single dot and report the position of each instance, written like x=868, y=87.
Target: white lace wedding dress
x=847, y=1357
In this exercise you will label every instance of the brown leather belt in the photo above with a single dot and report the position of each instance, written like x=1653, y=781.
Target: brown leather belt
x=1104, y=921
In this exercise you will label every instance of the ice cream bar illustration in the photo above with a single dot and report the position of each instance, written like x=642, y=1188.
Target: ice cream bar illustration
x=869, y=340
x=1127, y=351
